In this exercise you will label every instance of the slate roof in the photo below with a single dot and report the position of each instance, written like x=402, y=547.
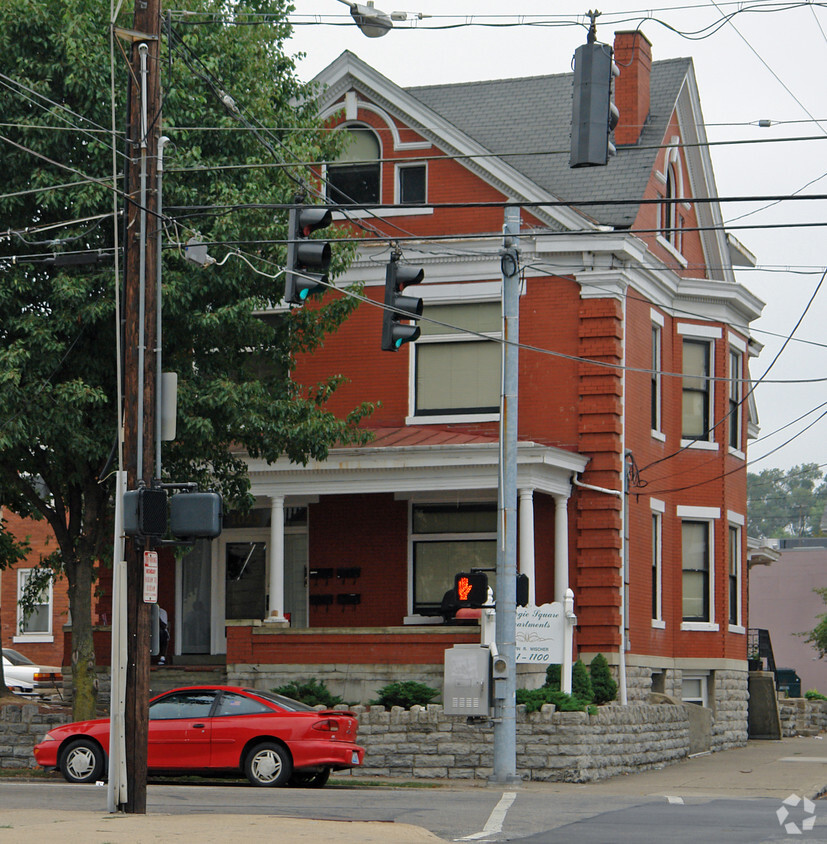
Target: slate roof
x=533, y=114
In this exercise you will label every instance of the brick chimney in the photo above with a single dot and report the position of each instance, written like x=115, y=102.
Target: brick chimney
x=633, y=56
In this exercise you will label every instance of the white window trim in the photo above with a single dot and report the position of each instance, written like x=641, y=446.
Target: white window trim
x=657, y=320
x=740, y=349
x=413, y=618
x=708, y=515
x=397, y=186
x=737, y=521
x=671, y=250
x=709, y=334
x=704, y=678
x=412, y=418
x=36, y=636
x=659, y=507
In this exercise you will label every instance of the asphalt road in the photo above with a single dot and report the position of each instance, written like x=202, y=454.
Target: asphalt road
x=535, y=812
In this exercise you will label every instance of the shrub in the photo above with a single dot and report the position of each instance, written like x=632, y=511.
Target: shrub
x=603, y=684
x=813, y=694
x=312, y=692
x=535, y=698
x=581, y=684
x=553, y=673
x=406, y=693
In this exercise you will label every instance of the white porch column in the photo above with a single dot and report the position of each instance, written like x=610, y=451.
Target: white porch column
x=275, y=573
x=527, y=540
x=561, y=547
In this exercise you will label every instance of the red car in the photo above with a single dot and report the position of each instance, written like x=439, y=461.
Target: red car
x=272, y=739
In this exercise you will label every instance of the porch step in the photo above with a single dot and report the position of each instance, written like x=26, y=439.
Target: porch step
x=164, y=677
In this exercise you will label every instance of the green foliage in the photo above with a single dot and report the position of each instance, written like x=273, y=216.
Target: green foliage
x=406, y=693
x=58, y=387
x=553, y=673
x=813, y=694
x=817, y=637
x=603, y=684
x=312, y=692
x=581, y=684
x=786, y=503
x=533, y=699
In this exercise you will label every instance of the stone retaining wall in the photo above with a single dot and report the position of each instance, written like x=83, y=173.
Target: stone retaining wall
x=800, y=716
x=22, y=727
x=551, y=746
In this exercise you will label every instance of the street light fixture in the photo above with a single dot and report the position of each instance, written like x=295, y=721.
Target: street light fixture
x=373, y=22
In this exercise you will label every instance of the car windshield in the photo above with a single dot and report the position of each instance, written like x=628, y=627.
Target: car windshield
x=280, y=700
x=16, y=658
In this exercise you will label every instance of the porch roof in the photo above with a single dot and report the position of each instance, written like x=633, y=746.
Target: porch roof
x=417, y=460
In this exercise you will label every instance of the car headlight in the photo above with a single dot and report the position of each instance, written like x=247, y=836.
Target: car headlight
x=49, y=737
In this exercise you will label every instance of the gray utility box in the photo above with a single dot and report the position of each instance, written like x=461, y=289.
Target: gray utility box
x=466, y=689
x=196, y=514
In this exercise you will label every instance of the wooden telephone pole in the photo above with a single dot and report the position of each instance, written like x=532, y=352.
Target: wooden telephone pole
x=142, y=231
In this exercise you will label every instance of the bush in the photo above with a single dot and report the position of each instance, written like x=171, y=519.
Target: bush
x=553, y=673
x=603, y=684
x=311, y=692
x=813, y=694
x=581, y=684
x=406, y=693
x=535, y=698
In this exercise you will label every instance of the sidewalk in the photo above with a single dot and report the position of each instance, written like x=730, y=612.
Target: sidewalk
x=761, y=769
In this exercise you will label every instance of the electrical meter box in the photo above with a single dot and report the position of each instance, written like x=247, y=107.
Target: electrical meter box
x=466, y=689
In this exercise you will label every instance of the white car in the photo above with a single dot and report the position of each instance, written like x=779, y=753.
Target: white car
x=27, y=678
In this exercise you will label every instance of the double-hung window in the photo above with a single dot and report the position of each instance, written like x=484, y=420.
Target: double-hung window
x=698, y=567
x=736, y=526
x=737, y=350
x=447, y=539
x=456, y=367
x=38, y=624
x=698, y=397
x=658, y=508
x=656, y=377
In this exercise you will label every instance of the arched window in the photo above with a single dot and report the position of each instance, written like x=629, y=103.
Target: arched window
x=355, y=178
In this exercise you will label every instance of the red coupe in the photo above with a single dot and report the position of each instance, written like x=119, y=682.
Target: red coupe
x=272, y=739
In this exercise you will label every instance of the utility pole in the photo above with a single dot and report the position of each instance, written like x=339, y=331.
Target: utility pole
x=140, y=244
x=505, y=687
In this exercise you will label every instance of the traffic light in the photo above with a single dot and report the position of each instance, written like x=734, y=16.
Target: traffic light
x=145, y=512
x=395, y=332
x=307, y=260
x=594, y=114
x=471, y=588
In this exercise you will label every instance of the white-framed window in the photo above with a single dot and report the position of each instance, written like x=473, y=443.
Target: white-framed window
x=697, y=389
x=447, y=539
x=411, y=183
x=38, y=626
x=695, y=688
x=734, y=550
x=698, y=567
x=656, y=376
x=735, y=393
x=355, y=177
x=658, y=508
x=671, y=221
x=456, y=374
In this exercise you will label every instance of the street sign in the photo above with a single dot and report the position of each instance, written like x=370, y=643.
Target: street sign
x=150, y=577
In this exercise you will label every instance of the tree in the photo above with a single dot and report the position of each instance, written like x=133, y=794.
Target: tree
x=786, y=503
x=58, y=386
x=12, y=550
x=817, y=637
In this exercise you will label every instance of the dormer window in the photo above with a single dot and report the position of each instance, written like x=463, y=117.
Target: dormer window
x=355, y=177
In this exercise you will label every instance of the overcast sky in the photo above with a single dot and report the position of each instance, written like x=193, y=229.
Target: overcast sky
x=764, y=64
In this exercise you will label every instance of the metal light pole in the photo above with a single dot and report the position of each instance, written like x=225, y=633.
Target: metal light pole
x=505, y=707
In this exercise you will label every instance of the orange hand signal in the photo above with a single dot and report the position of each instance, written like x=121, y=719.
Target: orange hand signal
x=463, y=588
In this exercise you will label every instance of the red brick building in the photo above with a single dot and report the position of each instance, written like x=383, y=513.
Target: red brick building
x=633, y=411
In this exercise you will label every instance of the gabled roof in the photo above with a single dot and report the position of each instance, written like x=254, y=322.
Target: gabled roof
x=524, y=118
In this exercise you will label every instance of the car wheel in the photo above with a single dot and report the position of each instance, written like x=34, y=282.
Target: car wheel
x=82, y=761
x=268, y=764
x=310, y=780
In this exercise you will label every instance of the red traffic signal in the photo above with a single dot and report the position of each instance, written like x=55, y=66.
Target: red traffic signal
x=471, y=589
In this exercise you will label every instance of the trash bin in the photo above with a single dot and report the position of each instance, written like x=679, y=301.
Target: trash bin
x=787, y=681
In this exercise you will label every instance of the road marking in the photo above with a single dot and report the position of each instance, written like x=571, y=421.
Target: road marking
x=811, y=759
x=496, y=819
x=675, y=800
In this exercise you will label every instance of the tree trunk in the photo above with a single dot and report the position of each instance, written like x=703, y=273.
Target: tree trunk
x=84, y=675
